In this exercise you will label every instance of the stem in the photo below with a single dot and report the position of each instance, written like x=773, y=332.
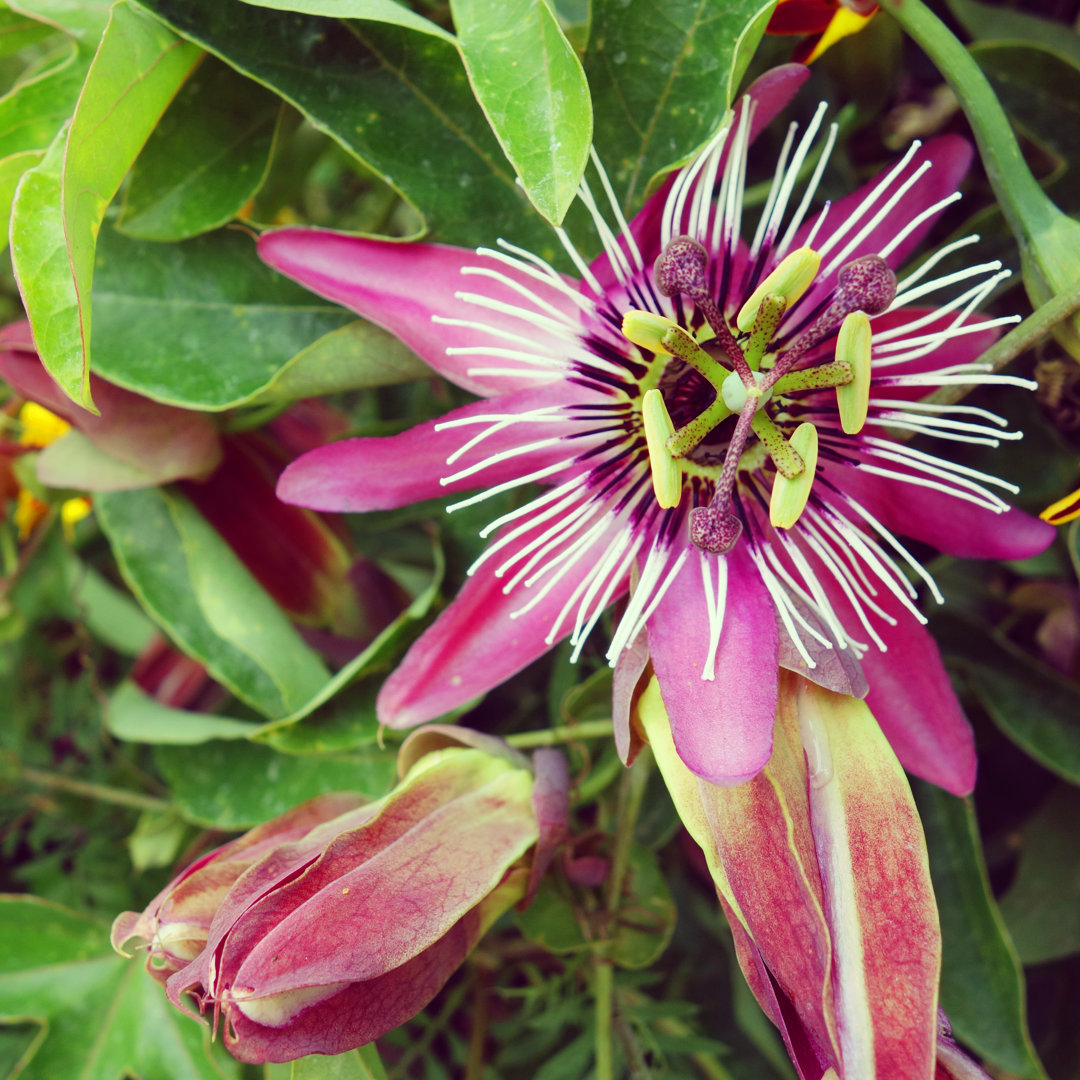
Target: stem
x=631, y=793
x=1023, y=201
x=117, y=796
x=588, y=729
x=1018, y=340
x=603, y=994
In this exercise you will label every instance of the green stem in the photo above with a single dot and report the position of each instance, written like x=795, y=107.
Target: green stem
x=603, y=1006
x=631, y=794
x=1018, y=340
x=589, y=729
x=98, y=792
x=1023, y=201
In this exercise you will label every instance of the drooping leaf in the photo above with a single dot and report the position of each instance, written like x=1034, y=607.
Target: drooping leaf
x=202, y=324
x=381, y=91
x=99, y=1016
x=233, y=785
x=205, y=160
x=1042, y=907
x=531, y=86
x=387, y=11
x=190, y=582
x=662, y=77
x=982, y=986
x=138, y=67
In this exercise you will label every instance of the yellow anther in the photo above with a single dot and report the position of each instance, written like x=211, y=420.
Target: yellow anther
x=647, y=330
x=666, y=474
x=853, y=347
x=39, y=426
x=790, y=280
x=789, y=495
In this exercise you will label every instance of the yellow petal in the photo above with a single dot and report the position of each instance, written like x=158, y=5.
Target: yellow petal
x=39, y=426
x=844, y=23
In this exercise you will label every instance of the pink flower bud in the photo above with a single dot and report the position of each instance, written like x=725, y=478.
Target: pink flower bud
x=317, y=933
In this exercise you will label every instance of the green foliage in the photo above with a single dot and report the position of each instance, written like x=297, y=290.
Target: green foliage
x=95, y=1014
x=159, y=698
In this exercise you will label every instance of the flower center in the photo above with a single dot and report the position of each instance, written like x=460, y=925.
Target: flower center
x=865, y=287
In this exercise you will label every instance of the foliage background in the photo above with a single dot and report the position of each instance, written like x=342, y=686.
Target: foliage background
x=196, y=122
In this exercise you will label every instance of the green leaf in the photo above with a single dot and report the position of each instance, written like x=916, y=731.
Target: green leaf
x=100, y=1017
x=1042, y=908
x=645, y=918
x=202, y=324
x=387, y=11
x=358, y=355
x=138, y=67
x=136, y=717
x=1040, y=90
x=530, y=85
x=1032, y=704
x=982, y=986
x=234, y=785
x=396, y=98
x=205, y=160
x=362, y=1064
x=17, y=31
x=11, y=170
x=986, y=22
x=34, y=111
x=662, y=77
x=83, y=20
x=374, y=660
x=195, y=588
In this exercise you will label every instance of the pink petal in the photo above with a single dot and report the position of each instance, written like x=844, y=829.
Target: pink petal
x=951, y=158
x=402, y=286
x=379, y=474
x=950, y=524
x=475, y=644
x=722, y=727
x=916, y=707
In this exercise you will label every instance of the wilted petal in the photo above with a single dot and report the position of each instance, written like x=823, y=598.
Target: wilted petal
x=879, y=899
x=159, y=442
